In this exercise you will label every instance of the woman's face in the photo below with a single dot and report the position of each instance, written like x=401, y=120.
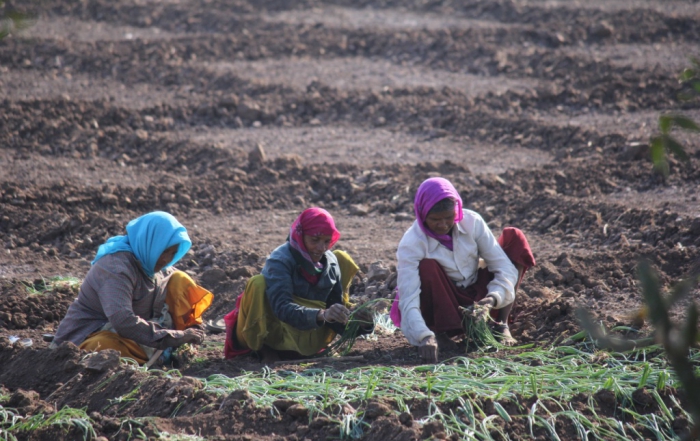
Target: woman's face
x=317, y=245
x=165, y=258
x=440, y=222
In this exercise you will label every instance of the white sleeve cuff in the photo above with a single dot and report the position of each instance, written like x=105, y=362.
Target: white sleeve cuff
x=497, y=299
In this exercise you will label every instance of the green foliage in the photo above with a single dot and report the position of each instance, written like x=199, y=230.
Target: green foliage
x=11, y=422
x=361, y=317
x=664, y=143
x=455, y=390
x=12, y=20
x=676, y=338
x=54, y=283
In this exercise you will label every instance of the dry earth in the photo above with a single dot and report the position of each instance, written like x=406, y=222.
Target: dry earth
x=537, y=110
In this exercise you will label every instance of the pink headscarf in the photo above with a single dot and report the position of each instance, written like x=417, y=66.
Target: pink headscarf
x=430, y=192
x=312, y=222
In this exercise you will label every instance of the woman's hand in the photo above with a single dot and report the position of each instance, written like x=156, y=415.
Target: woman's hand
x=191, y=335
x=428, y=349
x=365, y=318
x=488, y=301
x=335, y=313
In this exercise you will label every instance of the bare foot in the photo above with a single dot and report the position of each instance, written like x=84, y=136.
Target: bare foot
x=502, y=333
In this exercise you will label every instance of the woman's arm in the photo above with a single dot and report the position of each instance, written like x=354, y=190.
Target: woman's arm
x=279, y=284
x=502, y=287
x=336, y=297
x=410, y=252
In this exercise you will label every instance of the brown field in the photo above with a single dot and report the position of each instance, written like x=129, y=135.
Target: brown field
x=537, y=110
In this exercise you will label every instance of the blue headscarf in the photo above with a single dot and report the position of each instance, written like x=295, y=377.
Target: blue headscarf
x=147, y=237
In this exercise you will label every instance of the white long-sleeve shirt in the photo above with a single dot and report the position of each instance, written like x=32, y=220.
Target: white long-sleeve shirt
x=472, y=239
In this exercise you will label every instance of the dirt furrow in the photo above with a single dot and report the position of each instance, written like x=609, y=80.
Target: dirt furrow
x=672, y=56
x=536, y=203
x=599, y=85
x=621, y=21
x=641, y=24
x=96, y=128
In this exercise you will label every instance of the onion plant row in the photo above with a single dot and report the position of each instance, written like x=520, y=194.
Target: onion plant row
x=12, y=423
x=544, y=378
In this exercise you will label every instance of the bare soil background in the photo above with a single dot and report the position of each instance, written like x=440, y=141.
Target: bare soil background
x=537, y=111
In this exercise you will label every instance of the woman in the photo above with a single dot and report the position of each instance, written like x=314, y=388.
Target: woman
x=300, y=301
x=438, y=269
x=128, y=303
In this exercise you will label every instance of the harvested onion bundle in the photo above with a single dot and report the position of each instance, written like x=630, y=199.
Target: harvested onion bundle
x=476, y=320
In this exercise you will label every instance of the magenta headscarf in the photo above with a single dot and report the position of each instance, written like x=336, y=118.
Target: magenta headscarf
x=312, y=222
x=430, y=192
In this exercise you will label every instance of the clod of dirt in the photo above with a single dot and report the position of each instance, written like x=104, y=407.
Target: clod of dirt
x=289, y=161
x=194, y=382
x=320, y=422
x=643, y=398
x=297, y=411
x=28, y=402
x=23, y=398
x=5, y=344
x=605, y=399
x=544, y=293
x=400, y=217
x=388, y=428
x=244, y=271
x=406, y=419
x=257, y=156
x=377, y=272
x=249, y=110
x=600, y=31
x=71, y=365
x=376, y=409
x=102, y=361
x=434, y=429
x=358, y=210
x=238, y=395
x=183, y=389
x=283, y=405
x=212, y=278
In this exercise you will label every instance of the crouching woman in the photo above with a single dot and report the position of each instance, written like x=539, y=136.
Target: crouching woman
x=438, y=269
x=300, y=301
x=131, y=300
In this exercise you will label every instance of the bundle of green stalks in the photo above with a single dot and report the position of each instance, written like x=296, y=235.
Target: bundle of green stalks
x=476, y=320
x=361, y=316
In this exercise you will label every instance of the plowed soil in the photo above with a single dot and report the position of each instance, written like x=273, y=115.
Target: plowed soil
x=538, y=112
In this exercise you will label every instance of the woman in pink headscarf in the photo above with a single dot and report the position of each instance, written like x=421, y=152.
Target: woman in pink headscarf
x=438, y=269
x=300, y=301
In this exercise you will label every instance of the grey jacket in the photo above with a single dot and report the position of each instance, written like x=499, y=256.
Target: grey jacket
x=117, y=291
x=283, y=279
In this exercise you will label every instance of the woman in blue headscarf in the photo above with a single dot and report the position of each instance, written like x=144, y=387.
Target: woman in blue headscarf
x=131, y=300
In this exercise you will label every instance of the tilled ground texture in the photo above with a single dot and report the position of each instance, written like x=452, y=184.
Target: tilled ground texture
x=538, y=112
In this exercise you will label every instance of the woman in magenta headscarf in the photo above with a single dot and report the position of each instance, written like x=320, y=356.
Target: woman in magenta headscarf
x=438, y=269
x=300, y=301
